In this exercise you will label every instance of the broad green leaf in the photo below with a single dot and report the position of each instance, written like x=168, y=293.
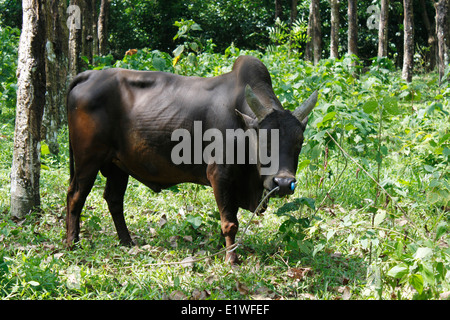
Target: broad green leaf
x=398, y=271
x=315, y=152
x=370, y=106
x=178, y=51
x=303, y=164
x=391, y=105
x=441, y=229
x=33, y=283
x=45, y=150
x=416, y=280
x=329, y=116
x=349, y=127
x=422, y=253
x=159, y=63
x=193, y=46
x=195, y=221
x=428, y=274
x=308, y=201
x=379, y=217
x=330, y=234
x=442, y=270
x=196, y=27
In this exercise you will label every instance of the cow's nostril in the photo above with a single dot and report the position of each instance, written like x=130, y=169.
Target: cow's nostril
x=287, y=185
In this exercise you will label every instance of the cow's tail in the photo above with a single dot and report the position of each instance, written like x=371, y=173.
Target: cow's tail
x=71, y=162
x=76, y=80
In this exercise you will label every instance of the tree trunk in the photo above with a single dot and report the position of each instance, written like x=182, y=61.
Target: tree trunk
x=441, y=11
x=56, y=72
x=431, y=31
x=293, y=11
x=317, y=42
x=310, y=35
x=383, y=29
x=352, y=28
x=25, y=169
x=102, y=27
x=88, y=34
x=447, y=34
x=74, y=23
x=334, y=37
x=314, y=32
x=408, y=40
x=278, y=10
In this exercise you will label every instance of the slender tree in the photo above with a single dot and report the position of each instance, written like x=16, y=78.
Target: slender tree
x=56, y=71
x=408, y=40
x=293, y=10
x=334, y=37
x=74, y=23
x=441, y=24
x=431, y=31
x=314, y=45
x=383, y=29
x=102, y=26
x=278, y=10
x=317, y=44
x=88, y=28
x=25, y=169
x=352, y=28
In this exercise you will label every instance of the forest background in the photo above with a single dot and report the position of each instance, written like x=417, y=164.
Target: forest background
x=371, y=217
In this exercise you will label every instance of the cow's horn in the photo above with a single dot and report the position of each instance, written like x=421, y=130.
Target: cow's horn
x=301, y=112
x=257, y=107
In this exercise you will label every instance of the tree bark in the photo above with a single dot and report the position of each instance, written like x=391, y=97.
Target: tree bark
x=310, y=35
x=441, y=24
x=102, y=27
x=317, y=43
x=25, y=169
x=431, y=30
x=408, y=40
x=293, y=11
x=334, y=37
x=56, y=72
x=352, y=28
x=74, y=23
x=278, y=10
x=383, y=29
x=88, y=31
x=314, y=32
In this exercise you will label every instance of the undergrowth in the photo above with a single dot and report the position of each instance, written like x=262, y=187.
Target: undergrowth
x=368, y=220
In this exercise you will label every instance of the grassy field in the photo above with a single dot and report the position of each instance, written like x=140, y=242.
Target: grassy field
x=339, y=237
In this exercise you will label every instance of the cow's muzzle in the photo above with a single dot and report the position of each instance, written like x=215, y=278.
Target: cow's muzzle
x=286, y=185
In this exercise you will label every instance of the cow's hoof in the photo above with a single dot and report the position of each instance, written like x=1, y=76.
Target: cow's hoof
x=232, y=259
x=72, y=242
x=129, y=243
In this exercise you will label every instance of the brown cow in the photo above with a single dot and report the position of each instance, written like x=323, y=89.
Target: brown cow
x=123, y=122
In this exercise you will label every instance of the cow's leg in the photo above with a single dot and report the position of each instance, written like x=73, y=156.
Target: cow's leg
x=229, y=225
x=223, y=192
x=79, y=188
x=116, y=185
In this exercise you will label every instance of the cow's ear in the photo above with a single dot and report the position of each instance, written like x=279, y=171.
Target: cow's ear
x=247, y=121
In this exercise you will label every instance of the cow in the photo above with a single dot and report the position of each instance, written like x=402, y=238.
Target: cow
x=121, y=124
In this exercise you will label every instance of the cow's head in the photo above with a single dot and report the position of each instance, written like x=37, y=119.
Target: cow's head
x=290, y=127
